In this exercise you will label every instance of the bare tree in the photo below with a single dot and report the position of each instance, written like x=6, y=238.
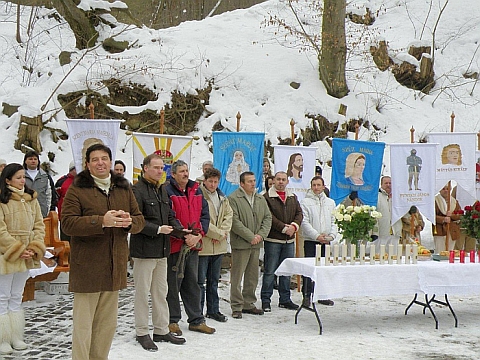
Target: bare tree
x=332, y=60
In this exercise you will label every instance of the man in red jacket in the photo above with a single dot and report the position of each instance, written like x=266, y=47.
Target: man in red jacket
x=191, y=210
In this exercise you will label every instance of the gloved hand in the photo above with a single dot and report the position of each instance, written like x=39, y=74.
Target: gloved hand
x=374, y=237
x=353, y=195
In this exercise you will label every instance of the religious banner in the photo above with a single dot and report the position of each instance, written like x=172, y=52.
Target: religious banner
x=299, y=164
x=477, y=170
x=170, y=147
x=235, y=153
x=83, y=133
x=455, y=160
x=413, y=179
x=356, y=167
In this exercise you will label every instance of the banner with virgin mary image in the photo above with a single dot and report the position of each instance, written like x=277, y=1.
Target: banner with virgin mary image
x=356, y=169
x=235, y=153
x=413, y=179
x=456, y=160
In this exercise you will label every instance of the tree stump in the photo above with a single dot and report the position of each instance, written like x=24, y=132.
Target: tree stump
x=380, y=56
x=28, y=133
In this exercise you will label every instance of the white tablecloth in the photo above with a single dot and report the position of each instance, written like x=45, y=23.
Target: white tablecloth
x=429, y=277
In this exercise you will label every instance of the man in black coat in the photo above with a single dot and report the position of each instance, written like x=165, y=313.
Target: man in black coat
x=150, y=249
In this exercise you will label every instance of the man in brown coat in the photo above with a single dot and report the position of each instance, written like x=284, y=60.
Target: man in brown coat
x=280, y=244
x=98, y=212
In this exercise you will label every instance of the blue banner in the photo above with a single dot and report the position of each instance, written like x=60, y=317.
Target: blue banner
x=356, y=166
x=235, y=153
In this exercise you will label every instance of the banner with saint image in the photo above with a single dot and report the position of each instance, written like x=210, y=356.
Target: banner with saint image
x=413, y=179
x=170, y=147
x=84, y=133
x=235, y=153
x=299, y=164
x=356, y=167
x=456, y=160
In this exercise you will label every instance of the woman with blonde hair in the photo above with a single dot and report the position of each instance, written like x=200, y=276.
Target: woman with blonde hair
x=21, y=248
x=354, y=166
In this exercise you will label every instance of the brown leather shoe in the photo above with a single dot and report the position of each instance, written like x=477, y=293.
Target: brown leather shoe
x=253, y=311
x=174, y=328
x=237, y=314
x=203, y=328
x=169, y=337
x=147, y=343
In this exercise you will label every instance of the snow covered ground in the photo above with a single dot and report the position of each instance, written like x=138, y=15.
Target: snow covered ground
x=252, y=66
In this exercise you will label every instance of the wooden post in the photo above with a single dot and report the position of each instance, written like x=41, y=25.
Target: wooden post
x=356, y=130
x=162, y=120
x=478, y=140
x=412, y=135
x=452, y=121
x=238, y=121
x=292, y=132
x=297, y=240
x=91, y=107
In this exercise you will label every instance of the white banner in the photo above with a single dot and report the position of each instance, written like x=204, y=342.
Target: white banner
x=477, y=169
x=413, y=179
x=83, y=133
x=299, y=164
x=456, y=160
x=170, y=147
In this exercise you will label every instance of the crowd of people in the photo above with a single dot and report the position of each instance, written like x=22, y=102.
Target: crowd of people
x=178, y=235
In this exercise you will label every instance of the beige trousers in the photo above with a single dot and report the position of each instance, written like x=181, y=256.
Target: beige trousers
x=94, y=324
x=244, y=264
x=440, y=244
x=150, y=276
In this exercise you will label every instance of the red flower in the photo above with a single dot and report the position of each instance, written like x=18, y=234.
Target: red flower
x=474, y=216
x=468, y=208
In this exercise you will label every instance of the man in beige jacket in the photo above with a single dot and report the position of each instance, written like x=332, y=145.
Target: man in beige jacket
x=214, y=243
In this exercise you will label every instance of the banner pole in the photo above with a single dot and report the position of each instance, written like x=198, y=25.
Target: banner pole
x=297, y=240
x=162, y=120
x=91, y=107
x=239, y=116
x=447, y=236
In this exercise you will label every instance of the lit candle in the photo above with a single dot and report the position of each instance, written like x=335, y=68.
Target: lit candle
x=414, y=253
x=353, y=253
x=390, y=254
x=382, y=254
x=335, y=254
x=318, y=255
x=344, y=254
x=399, y=253
x=362, y=254
x=327, y=255
x=372, y=254
x=407, y=253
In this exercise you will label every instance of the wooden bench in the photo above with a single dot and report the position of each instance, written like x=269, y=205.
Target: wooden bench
x=61, y=252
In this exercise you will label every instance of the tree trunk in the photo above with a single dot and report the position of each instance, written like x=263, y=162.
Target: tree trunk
x=84, y=31
x=333, y=58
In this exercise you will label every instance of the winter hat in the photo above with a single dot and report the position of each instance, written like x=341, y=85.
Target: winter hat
x=71, y=166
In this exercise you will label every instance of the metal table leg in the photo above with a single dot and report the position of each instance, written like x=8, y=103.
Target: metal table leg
x=311, y=309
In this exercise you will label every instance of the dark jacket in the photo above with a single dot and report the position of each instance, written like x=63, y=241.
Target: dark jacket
x=153, y=204
x=98, y=256
x=189, y=207
x=283, y=213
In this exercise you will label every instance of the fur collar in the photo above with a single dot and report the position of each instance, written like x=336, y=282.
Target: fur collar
x=85, y=180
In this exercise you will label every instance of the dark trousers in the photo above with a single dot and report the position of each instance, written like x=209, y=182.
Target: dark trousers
x=310, y=250
x=209, y=268
x=187, y=287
